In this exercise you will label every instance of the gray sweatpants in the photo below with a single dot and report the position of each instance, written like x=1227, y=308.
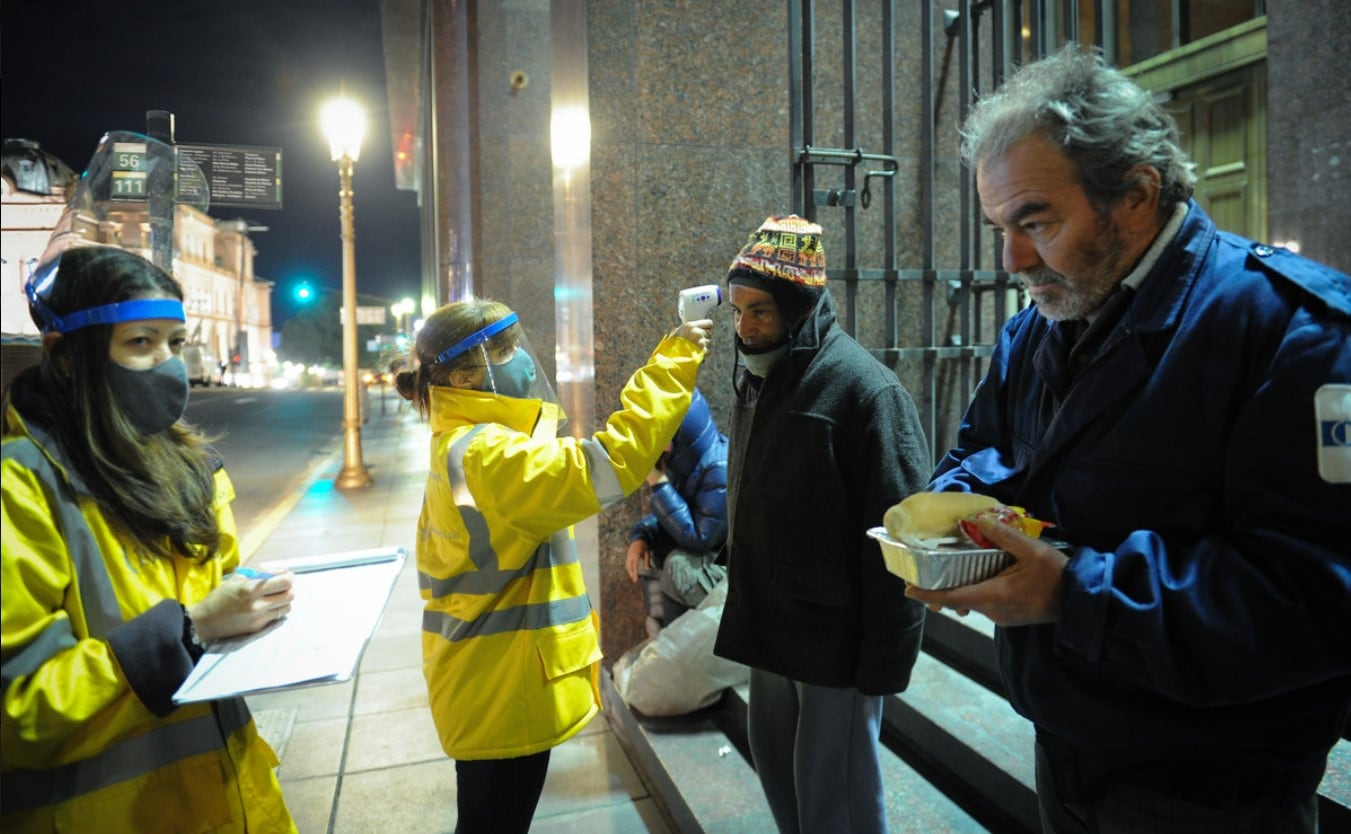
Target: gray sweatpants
x=688, y=576
x=815, y=751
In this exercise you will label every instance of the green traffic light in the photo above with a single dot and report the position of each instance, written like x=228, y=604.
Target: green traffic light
x=303, y=293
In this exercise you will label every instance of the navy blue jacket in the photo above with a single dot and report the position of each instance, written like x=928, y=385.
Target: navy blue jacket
x=689, y=510
x=1201, y=465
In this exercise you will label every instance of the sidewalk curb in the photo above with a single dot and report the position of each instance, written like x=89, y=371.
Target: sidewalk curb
x=270, y=520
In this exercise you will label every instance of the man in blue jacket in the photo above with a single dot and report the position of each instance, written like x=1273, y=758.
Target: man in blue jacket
x=1177, y=402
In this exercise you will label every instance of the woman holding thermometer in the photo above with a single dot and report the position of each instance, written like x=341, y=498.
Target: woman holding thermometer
x=509, y=642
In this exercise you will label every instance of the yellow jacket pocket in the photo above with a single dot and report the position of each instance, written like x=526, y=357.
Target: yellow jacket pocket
x=562, y=654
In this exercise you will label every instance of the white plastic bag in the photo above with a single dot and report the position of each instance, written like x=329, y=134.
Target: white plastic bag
x=676, y=672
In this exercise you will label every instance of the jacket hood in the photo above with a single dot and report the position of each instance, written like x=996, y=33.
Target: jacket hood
x=810, y=334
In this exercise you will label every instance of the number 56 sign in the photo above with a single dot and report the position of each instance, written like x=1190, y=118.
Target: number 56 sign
x=130, y=168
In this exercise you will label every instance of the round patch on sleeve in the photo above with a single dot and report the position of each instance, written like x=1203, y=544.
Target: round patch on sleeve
x=1332, y=411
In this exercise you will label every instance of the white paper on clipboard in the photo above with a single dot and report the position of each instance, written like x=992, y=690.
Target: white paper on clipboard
x=338, y=601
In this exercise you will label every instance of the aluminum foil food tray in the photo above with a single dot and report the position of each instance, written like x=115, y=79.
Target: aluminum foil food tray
x=941, y=567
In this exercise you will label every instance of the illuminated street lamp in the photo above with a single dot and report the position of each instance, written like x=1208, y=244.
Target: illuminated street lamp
x=344, y=124
x=400, y=309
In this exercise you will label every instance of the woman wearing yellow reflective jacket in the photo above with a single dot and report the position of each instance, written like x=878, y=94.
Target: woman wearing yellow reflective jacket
x=509, y=643
x=117, y=535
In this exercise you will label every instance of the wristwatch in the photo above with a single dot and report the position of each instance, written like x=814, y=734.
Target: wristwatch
x=191, y=641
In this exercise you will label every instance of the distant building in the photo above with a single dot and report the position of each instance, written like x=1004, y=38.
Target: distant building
x=213, y=261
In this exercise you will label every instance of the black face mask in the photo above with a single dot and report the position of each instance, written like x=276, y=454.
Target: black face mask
x=153, y=399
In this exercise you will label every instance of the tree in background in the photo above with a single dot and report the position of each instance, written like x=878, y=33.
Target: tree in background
x=313, y=336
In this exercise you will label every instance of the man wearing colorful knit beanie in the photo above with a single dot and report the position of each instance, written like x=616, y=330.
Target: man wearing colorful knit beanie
x=823, y=440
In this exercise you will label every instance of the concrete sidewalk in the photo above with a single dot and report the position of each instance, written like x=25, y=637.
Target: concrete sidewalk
x=362, y=757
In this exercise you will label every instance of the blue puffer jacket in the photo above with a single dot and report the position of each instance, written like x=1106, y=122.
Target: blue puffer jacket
x=690, y=510
x=1201, y=466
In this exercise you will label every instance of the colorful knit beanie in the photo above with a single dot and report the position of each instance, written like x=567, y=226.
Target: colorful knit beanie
x=785, y=258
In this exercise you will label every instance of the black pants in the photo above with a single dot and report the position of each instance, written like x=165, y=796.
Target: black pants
x=498, y=796
x=1124, y=808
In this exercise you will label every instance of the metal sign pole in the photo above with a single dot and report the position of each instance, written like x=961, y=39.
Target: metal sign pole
x=159, y=124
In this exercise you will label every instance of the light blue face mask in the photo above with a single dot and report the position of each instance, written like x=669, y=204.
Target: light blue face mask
x=514, y=377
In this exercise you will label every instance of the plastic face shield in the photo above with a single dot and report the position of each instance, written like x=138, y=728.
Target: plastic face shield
x=130, y=178
x=510, y=369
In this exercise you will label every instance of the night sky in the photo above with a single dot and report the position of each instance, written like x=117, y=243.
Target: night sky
x=245, y=72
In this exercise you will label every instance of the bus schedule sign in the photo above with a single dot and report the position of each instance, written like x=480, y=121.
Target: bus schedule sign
x=130, y=170
x=237, y=175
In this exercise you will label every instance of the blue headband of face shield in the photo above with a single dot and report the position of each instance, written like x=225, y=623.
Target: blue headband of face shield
x=478, y=337
x=135, y=310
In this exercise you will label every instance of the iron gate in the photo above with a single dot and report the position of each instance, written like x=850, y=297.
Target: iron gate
x=921, y=284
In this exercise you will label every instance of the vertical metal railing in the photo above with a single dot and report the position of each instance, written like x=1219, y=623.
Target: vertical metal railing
x=965, y=301
x=942, y=346
x=937, y=349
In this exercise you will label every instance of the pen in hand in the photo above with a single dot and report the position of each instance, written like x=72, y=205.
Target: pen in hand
x=256, y=599
x=261, y=576
x=252, y=573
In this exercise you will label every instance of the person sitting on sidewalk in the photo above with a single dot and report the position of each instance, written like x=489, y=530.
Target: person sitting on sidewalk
x=676, y=549
x=510, y=647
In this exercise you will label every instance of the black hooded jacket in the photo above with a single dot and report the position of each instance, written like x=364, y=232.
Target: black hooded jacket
x=820, y=449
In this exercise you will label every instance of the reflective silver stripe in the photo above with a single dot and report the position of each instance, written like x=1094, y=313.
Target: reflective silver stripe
x=488, y=578
x=604, y=480
x=559, y=550
x=97, y=600
x=480, y=543
x=517, y=618
x=483, y=581
x=129, y=759
x=28, y=789
x=56, y=637
x=563, y=548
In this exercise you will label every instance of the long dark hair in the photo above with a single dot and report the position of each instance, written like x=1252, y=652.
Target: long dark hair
x=160, y=488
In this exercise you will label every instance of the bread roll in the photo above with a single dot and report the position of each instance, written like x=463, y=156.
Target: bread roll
x=929, y=519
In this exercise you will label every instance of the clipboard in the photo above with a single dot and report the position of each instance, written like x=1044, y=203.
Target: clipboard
x=339, y=598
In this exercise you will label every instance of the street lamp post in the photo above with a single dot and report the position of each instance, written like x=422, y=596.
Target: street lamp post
x=344, y=123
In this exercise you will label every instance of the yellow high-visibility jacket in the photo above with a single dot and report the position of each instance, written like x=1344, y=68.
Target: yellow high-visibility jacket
x=92, y=654
x=509, y=642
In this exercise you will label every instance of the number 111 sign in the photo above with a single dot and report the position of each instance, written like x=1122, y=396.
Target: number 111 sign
x=129, y=170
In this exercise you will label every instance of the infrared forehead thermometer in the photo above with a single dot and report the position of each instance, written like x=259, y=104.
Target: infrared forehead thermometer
x=698, y=303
